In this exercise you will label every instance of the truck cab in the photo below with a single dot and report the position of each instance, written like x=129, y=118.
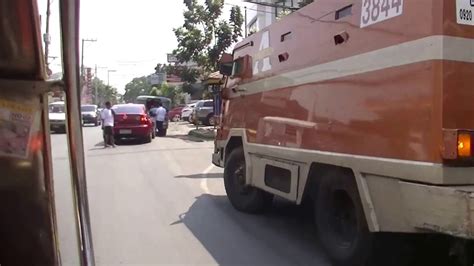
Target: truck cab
x=362, y=107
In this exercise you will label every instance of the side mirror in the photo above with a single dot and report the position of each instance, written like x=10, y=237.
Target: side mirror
x=225, y=64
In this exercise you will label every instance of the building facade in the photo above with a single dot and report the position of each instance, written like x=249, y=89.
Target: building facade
x=265, y=12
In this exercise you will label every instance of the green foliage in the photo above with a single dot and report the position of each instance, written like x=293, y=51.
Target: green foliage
x=155, y=92
x=141, y=86
x=136, y=87
x=305, y=2
x=104, y=92
x=204, y=37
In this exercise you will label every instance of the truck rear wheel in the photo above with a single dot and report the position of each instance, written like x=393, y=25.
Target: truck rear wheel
x=243, y=197
x=340, y=219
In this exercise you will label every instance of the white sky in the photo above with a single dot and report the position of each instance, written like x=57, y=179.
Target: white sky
x=132, y=36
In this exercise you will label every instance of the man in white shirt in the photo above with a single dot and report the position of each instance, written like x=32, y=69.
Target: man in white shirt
x=107, y=116
x=160, y=118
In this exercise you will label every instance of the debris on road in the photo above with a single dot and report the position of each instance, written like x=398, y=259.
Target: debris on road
x=203, y=133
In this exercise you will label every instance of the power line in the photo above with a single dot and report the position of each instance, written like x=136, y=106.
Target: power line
x=248, y=8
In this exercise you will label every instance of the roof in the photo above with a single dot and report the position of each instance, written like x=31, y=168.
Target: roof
x=152, y=97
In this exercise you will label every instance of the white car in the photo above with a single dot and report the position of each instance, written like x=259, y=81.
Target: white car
x=57, y=116
x=186, y=113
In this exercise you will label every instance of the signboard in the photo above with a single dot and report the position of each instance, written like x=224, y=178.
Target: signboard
x=464, y=10
x=157, y=78
x=172, y=58
x=16, y=120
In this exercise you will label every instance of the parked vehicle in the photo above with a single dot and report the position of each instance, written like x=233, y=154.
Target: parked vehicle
x=150, y=101
x=57, y=116
x=203, y=113
x=132, y=121
x=175, y=113
x=90, y=114
x=376, y=128
x=186, y=113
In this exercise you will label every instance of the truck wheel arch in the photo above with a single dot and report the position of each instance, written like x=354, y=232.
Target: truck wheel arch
x=312, y=184
x=233, y=143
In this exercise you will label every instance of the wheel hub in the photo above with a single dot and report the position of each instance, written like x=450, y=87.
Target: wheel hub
x=342, y=219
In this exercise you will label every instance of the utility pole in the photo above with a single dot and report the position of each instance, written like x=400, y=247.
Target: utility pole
x=82, y=54
x=96, y=99
x=108, y=75
x=246, y=33
x=46, y=36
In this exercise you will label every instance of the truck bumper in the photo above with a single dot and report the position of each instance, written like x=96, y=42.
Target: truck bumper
x=440, y=209
x=216, y=159
x=218, y=155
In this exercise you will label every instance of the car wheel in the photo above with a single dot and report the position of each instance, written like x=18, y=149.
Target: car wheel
x=176, y=118
x=242, y=196
x=340, y=219
x=210, y=120
x=190, y=119
x=149, y=137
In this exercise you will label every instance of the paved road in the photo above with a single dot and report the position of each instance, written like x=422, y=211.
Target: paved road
x=164, y=203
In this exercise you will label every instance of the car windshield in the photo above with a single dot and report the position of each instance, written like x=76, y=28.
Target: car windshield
x=88, y=108
x=128, y=109
x=56, y=108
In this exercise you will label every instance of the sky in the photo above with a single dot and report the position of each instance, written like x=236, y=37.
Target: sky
x=132, y=36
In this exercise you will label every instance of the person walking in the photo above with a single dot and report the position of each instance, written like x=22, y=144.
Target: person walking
x=107, y=116
x=160, y=118
x=152, y=114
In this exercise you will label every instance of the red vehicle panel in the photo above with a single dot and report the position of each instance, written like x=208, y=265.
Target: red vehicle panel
x=132, y=121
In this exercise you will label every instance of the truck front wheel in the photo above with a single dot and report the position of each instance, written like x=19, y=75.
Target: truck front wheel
x=340, y=219
x=242, y=196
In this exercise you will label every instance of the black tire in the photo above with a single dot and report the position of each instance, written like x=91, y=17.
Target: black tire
x=149, y=138
x=340, y=219
x=163, y=132
x=210, y=120
x=244, y=198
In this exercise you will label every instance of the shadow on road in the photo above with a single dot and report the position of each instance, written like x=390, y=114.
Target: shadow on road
x=197, y=176
x=129, y=142
x=282, y=236
x=186, y=138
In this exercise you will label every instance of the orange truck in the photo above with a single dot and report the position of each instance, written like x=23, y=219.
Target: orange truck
x=365, y=107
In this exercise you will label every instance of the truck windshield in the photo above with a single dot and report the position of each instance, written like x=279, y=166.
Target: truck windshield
x=56, y=108
x=88, y=108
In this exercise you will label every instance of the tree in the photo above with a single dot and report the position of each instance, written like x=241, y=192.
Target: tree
x=136, y=87
x=305, y=2
x=104, y=92
x=204, y=36
x=155, y=91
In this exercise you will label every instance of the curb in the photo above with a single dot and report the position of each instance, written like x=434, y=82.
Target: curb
x=202, y=133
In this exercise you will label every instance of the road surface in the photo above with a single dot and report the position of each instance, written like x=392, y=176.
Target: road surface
x=163, y=203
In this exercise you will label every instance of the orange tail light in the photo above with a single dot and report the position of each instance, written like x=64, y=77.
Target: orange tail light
x=464, y=144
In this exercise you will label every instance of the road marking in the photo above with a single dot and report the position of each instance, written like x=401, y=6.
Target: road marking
x=204, y=179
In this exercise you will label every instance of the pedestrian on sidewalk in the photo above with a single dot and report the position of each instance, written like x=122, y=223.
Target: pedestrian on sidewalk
x=107, y=116
x=160, y=118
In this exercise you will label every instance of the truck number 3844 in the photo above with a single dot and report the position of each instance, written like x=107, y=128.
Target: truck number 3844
x=374, y=11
